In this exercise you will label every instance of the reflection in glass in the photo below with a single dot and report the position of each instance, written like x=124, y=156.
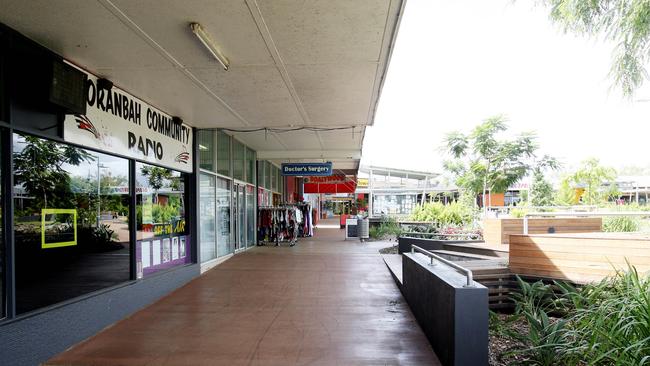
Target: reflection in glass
x=70, y=221
x=160, y=201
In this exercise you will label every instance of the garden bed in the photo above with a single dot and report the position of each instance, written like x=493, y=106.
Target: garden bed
x=603, y=323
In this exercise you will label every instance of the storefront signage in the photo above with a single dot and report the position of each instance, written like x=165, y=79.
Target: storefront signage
x=118, y=122
x=306, y=169
x=362, y=183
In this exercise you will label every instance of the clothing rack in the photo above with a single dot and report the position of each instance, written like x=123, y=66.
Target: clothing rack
x=283, y=223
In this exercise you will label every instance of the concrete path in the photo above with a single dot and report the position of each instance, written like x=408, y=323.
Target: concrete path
x=323, y=302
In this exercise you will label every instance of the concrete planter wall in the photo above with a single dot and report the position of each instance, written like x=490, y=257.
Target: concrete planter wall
x=404, y=244
x=498, y=231
x=453, y=317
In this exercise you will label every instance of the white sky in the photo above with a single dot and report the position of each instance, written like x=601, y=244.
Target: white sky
x=456, y=63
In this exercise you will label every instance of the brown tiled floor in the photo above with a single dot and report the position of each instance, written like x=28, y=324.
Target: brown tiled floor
x=322, y=302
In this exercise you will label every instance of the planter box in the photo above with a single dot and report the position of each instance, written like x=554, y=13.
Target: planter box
x=498, y=231
x=579, y=258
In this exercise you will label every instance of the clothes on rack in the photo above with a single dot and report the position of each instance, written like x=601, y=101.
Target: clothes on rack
x=306, y=228
x=278, y=224
x=284, y=223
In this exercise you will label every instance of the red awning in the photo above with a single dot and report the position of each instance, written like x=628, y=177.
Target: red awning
x=347, y=187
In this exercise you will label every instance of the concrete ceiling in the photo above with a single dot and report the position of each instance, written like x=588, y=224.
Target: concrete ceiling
x=292, y=63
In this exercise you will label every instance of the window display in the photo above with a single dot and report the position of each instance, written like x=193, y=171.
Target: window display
x=71, y=224
x=402, y=204
x=160, y=218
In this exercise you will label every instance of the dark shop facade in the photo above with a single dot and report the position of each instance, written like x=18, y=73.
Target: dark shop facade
x=100, y=201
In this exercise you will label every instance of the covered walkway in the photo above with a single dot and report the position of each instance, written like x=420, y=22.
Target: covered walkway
x=323, y=302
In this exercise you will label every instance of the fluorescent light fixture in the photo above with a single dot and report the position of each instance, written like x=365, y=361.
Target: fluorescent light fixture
x=207, y=41
x=202, y=147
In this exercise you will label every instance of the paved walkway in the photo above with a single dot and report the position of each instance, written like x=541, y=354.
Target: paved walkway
x=323, y=302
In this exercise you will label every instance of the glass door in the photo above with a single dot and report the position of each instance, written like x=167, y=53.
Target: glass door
x=240, y=215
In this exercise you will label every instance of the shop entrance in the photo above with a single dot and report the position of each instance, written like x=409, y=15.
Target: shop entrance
x=240, y=214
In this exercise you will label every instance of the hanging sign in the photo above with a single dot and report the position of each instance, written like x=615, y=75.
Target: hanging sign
x=116, y=121
x=307, y=169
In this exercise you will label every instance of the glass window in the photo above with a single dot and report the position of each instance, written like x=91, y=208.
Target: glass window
x=224, y=241
x=71, y=223
x=250, y=166
x=223, y=154
x=250, y=213
x=208, y=217
x=239, y=151
x=267, y=175
x=261, y=174
x=274, y=178
x=206, y=150
x=162, y=242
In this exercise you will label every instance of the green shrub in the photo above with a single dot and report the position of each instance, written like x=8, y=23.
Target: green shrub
x=163, y=214
x=389, y=228
x=605, y=323
x=610, y=325
x=518, y=213
x=621, y=224
x=442, y=215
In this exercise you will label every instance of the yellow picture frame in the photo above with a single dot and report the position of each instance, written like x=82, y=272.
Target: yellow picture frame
x=47, y=211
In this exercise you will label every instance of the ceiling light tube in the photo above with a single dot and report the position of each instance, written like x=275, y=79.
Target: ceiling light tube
x=207, y=41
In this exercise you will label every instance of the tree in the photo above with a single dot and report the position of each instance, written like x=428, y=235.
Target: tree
x=482, y=161
x=156, y=177
x=597, y=182
x=541, y=191
x=566, y=195
x=38, y=167
x=626, y=22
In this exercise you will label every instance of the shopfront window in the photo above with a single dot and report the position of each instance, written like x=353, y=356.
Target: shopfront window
x=162, y=240
x=274, y=178
x=208, y=217
x=224, y=239
x=278, y=177
x=239, y=163
x=261, y=174
x=206, y=150
x=223, y=154
x=250, y=166
x=71, y=226
x=250, y=213
x=267, y=175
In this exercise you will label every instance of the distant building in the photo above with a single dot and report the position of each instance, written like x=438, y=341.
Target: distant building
x=394, y=191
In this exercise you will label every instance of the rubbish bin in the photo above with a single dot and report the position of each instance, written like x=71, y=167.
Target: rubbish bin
x=363, y=228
